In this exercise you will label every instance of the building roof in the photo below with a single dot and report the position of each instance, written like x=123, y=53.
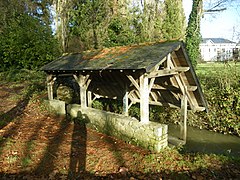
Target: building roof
x=134, y=57
x=112, y=70
x=216, y=40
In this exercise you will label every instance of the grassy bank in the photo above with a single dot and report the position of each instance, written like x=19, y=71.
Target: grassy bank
x=221, y=86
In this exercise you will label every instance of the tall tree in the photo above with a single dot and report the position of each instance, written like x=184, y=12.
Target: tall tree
x=89, y=22
x=174, y=20
x=193, y=35
x=62, y=9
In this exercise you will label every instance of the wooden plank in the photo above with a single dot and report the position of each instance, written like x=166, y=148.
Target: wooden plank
x=144, y=99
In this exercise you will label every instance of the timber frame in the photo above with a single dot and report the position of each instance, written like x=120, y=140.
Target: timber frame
x=163, y=77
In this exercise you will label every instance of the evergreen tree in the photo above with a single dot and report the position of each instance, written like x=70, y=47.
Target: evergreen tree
x=193, y=35
x=174, y=20
x=26, y=43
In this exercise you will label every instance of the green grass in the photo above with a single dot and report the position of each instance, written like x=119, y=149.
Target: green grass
x=212, y=68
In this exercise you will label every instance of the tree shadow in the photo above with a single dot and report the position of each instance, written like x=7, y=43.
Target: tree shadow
x=46, y=163
x=18, y=110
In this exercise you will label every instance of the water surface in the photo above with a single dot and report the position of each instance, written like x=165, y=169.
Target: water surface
x=208, y=142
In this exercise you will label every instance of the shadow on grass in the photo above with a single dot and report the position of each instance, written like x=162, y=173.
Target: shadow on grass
x=227, y=171
x=77, y=164
x=47, y=162
x=18, y=110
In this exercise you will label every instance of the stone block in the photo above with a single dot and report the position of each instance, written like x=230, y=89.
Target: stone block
x=152, y=135
x=58, y=106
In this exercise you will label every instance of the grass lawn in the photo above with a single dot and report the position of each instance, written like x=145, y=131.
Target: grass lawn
x=212, y=68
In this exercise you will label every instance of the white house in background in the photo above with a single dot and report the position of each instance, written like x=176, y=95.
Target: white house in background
x=217, y=49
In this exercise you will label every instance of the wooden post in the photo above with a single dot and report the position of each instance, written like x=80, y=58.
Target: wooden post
x=83, y=91
x=50, y=83
x=168, y=61
x=125, y=102
x=83, y=82
x=89, y=96
x=144, y=99
x=183, y=123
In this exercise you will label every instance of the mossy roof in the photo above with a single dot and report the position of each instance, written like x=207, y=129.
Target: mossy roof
x=144, y=56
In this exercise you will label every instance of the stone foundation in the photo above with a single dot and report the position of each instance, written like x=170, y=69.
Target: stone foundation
x=152, y=136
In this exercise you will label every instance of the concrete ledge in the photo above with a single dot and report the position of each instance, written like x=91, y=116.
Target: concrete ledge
x=152, y=136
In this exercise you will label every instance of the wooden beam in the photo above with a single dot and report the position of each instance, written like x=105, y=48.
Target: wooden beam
x=89, y=97
x=134, y=82
x=144, y=99
x=125, y=102
x=160, y=73
x=153, y=96
x=151, y=84
x=183, y=123
x=50, y=83
x=181, y=69
x=157, y=103
x=167, y=87
x=192, y=88
x=168, y=60
x=182, y=86
x=167, y=72
x=199, y=108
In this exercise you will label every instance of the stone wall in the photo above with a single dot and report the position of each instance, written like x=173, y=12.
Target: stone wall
x=152, y=136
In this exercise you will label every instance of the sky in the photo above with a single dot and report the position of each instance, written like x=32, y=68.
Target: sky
x=225, y=24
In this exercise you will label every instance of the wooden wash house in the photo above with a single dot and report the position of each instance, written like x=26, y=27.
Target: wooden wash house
x=150, y=74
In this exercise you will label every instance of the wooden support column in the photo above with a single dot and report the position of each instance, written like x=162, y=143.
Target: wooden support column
x=183, y=123
x=125, y=102
x=83, y=91
x=50, y=82
x=89, y=96
x=168, y=61
x=144, y=99
x=83, y=82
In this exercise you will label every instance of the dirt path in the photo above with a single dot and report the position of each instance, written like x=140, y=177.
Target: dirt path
x=36, y=143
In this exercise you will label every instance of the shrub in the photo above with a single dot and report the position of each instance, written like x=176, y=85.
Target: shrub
x=26, y=43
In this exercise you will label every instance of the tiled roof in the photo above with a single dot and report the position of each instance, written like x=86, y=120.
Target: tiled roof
x=217, y=40
x=135, y=57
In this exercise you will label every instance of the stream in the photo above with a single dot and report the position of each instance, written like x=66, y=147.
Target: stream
x=205, y=141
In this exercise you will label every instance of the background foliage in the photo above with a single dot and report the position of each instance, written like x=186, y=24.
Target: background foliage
x=26, y=37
